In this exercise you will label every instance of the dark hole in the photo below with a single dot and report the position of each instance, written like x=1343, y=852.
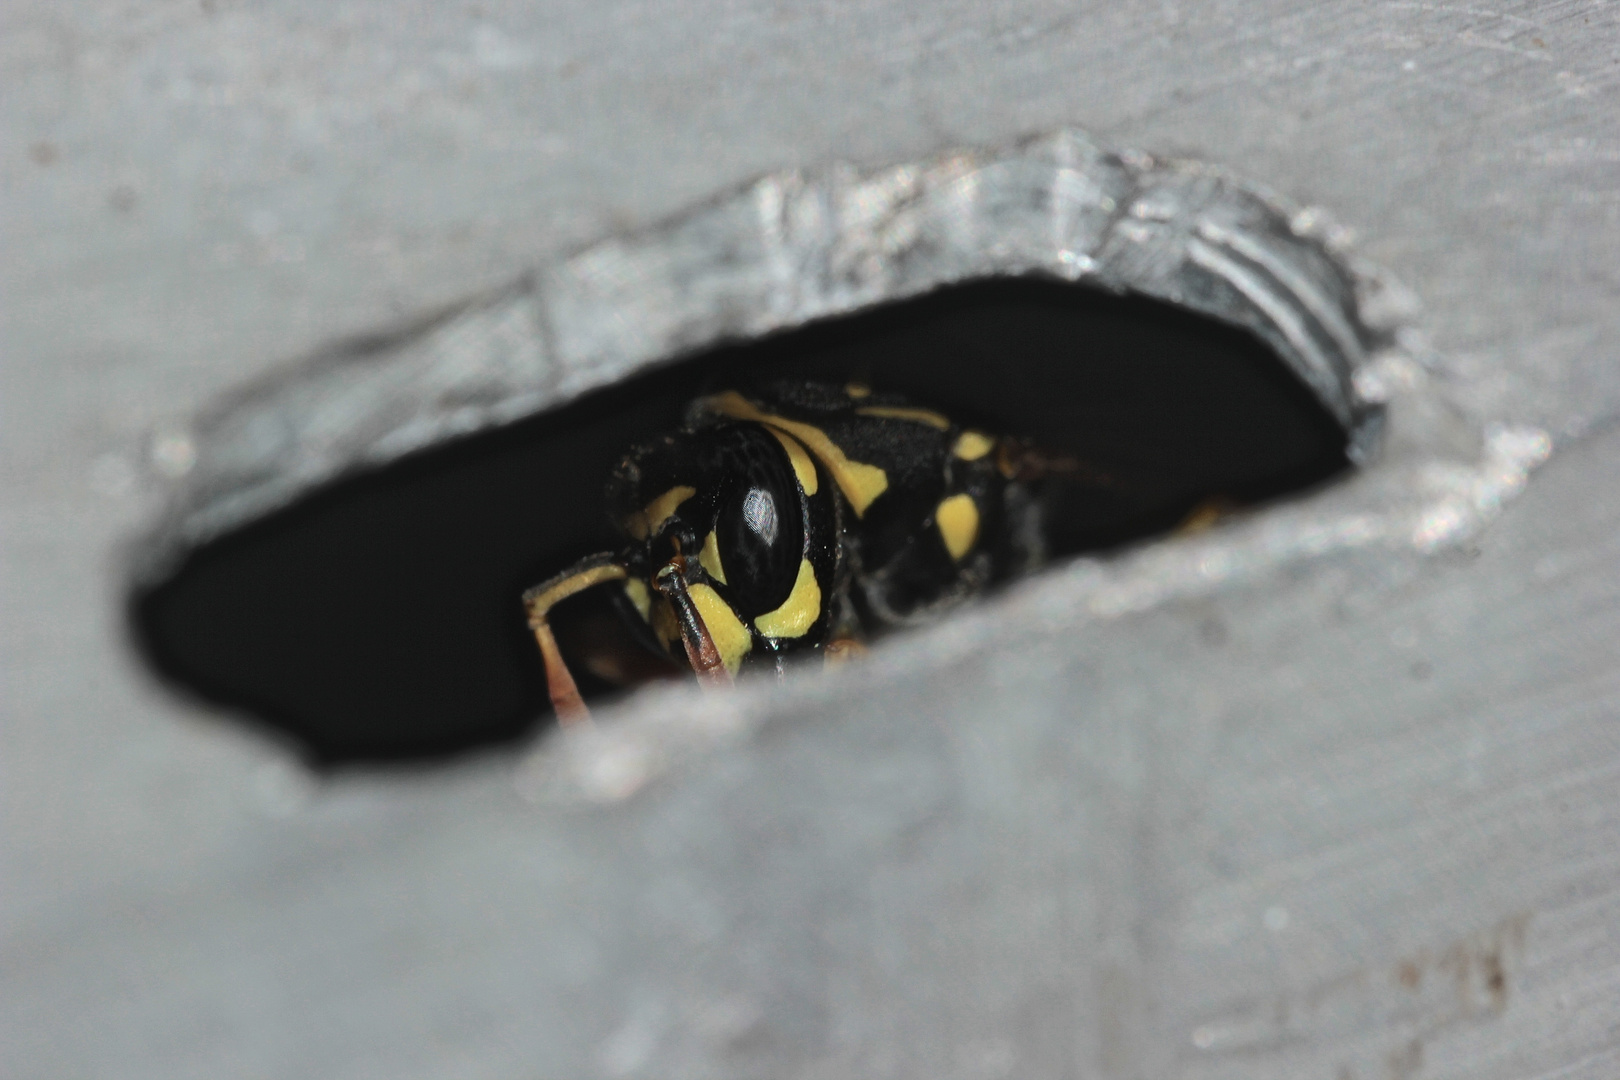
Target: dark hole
x=379, y=619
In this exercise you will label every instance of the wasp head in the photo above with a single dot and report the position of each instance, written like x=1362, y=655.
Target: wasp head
x=720, y=524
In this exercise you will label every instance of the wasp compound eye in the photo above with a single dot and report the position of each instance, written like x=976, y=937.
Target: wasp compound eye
x=758, y=523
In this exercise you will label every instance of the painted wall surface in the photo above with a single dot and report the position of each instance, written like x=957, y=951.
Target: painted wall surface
x=1351, y=813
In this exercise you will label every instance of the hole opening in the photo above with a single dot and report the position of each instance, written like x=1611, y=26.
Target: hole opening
x=378, y=619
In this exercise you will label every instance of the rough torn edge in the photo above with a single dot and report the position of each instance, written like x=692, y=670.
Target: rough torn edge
x=782, y=251
x=1432, y=498
x=798, y=246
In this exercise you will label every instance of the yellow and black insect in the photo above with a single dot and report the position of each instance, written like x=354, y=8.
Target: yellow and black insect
x=797, y=520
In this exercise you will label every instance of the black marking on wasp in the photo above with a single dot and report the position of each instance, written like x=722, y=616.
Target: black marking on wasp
x=798, y=519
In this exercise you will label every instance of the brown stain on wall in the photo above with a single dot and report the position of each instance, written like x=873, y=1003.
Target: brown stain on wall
x=1381, y=1015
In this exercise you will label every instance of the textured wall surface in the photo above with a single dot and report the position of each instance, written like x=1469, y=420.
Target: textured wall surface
x=1349, y=813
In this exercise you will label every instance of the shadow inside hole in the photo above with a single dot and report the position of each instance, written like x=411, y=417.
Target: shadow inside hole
x=379, y=619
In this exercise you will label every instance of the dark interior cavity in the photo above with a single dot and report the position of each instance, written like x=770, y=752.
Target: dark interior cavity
x=379, y=619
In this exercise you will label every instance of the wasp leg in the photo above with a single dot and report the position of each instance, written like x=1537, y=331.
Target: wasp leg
x=1021, y=460
x=589, y=571
x=840, y=651
x=845, y=641
x=1205, y=515
x=701, y=651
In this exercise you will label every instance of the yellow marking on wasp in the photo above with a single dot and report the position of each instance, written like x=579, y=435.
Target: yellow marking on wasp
x=859, y=482
x=730, y=636
x=798, y=612
x=972, y=445
x=709, y=559
x=803, y=467
x=637, y=591
x=893, y=412
x=857, y=390
x=663, y=508
x=958, y=521
x=663, y=620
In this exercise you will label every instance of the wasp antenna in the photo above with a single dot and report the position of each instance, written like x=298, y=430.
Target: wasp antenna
x=565, y=699
x=590, y=571
x=701, y=651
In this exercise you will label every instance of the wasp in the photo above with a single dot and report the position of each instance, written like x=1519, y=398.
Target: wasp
x=797, y=520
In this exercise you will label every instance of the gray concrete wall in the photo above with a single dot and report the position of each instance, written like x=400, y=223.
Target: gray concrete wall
x=1351, y=813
